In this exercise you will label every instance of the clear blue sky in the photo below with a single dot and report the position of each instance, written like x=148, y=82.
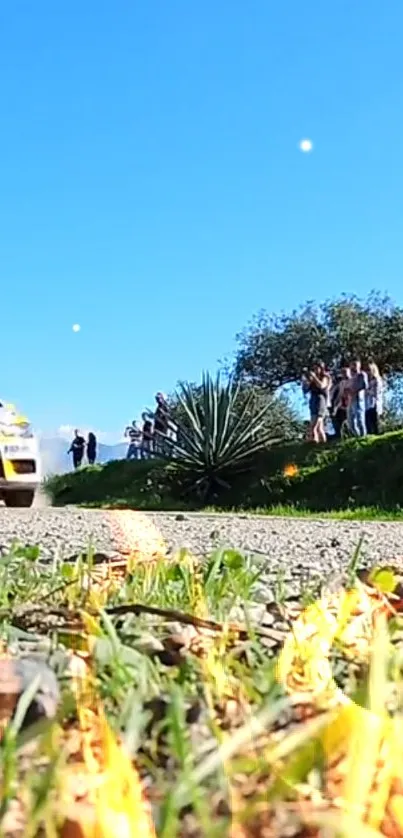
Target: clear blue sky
x=152, y=189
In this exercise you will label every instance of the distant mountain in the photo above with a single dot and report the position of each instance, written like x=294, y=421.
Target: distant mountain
x=55, y=459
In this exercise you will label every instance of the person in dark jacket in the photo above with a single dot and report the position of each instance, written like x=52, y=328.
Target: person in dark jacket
x=316, y=382
x=77, y=448
x=161, y=421
x=146, y=437
x=339, y=395
x=91, y=448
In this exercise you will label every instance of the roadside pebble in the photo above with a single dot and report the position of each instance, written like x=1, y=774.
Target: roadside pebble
x=303, y=551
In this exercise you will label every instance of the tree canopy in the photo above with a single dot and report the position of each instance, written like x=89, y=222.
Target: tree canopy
x=274, y=349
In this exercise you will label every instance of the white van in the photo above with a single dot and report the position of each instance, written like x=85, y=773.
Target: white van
x=20, y=468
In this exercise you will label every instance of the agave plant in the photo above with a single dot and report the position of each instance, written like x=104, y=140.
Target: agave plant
x=218, y=434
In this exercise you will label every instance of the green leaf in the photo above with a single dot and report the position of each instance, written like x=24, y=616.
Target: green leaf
x=30, y=552
x=177, y=726
x=75, y=640
x=67, y=571
x=105, y=653
x=296, y=769
x=233, y=559
x=24, y=702
x=384, y=579
x=213, y=567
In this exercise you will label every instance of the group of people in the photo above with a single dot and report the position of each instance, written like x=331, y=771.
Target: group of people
x=80, y=446
x=352, y=399
x=156, y=435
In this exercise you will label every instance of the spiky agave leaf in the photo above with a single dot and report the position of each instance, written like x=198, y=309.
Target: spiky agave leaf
x=220, y=434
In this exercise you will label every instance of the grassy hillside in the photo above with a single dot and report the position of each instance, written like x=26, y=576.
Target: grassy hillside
x=143, y=485
x=355, y=473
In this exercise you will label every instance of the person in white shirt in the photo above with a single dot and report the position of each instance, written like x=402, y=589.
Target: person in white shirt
x=134, y=434
x=373, y=399
x=356, y=407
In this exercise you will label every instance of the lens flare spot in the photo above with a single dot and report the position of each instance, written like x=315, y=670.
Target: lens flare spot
x=305, y=145
x=290, y=470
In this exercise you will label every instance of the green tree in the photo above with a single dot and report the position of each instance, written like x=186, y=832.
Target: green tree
x=392, y=419
x=274, y=350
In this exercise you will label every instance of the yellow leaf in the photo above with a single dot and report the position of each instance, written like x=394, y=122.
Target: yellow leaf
x=91, y=624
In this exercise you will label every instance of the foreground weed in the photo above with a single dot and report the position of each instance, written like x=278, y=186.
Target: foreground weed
x=172, y=710
x=37, y=788
x=226, y=578
x=179, y=743
x=280, y=590
x=355, y=513
x=353, y=564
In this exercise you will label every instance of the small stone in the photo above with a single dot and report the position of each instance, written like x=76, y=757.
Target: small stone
x=274, y=634
x=268, y=619
x=175, y=642
x=148, y=644
x=193, y=713
x=180, y=517
x=223, y=808
x=293, y=602
x=76, y=668
x=169, y=658
x=268, y=642
x=256, y=613
x=16, y=676
x=175, y=628
x=158, y=708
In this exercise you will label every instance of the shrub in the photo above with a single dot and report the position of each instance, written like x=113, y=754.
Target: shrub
x=218, y=437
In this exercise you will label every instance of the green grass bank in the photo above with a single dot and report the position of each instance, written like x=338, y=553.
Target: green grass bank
x=356, y=478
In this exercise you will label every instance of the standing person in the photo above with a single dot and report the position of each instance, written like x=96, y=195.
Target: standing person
x=146, y=437
x=334, y=396
x=356, y=408
x=77, y=448
x=305, y=392
x=134, y=434
x=340, y=400
x=91, y=448
x=373, y=399
x=317, y=382
x=161, y=419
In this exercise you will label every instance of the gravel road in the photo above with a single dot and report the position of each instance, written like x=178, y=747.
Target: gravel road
x=302, y=547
